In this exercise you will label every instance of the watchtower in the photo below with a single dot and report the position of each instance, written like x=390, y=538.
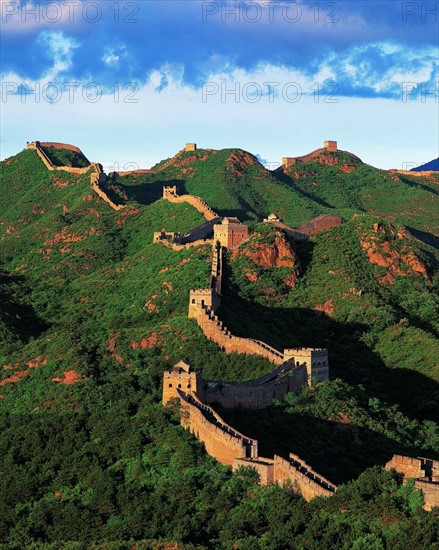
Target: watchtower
x=330, y=146
x=230, y=232
x=315, y=360
x=190, y=147
x=181, y=377
x=288, y=161
x=169, y=191
x=198, y=299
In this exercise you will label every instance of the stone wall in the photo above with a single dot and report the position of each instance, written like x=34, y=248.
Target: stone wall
x=409, y=467
x=256, y=394
x=170, y=194
x=424, y=471
x=319, y=224
x=222, y=441
x=430, y=492
x=263, y=466
x=200, y=231
x=97, y=176
x=302, y=477
x=304, y=231
x=60, y=146
x=424, y=173
x=215, y=330
x=327, y=146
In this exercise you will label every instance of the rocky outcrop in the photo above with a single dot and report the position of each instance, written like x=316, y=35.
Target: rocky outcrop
x=278, y=253
x=388, y=248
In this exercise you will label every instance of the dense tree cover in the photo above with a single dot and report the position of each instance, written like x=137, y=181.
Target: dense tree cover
x=100, y=462
x=338, y=429
x=105, y=462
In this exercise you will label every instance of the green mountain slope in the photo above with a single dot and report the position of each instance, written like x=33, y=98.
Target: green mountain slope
x=92, y=312
x=233, y=181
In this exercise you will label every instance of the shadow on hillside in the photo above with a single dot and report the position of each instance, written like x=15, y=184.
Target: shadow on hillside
x=20, y=318
x=425, y=237
x=350, y=359
x=340, y=452
x=418, y=185
x=113, y=194
x=288, y=181
x=146, y=193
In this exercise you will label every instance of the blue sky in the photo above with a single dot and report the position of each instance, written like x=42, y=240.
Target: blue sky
x=131, y=81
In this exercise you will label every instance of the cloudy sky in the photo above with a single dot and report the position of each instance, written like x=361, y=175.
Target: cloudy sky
x=131, y=81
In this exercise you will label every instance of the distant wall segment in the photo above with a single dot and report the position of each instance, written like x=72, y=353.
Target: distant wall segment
x=97, y=176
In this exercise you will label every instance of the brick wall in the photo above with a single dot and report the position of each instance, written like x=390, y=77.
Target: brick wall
x=263, y=466
x=97, y=177
x=256, y=394
x=60, y=146
x=430, y=492
x=170, y=194
x=222, y=441
x=303, y=478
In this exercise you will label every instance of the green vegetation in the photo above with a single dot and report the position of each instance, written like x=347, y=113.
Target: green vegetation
x=233, y=182
x=83, y=289
x=66, y=157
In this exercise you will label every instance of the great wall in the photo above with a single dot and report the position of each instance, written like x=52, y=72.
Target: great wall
x=97, y=176
x=295, y=368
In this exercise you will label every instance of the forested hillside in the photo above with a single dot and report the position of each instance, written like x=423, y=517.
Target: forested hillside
x=92, y=313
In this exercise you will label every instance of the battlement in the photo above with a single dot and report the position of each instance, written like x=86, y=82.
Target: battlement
x=424, y=471
x=229, y=446
x=169, y=191
x=330, y=146
x=180, y=377
x=314, y=359
x=202, y=298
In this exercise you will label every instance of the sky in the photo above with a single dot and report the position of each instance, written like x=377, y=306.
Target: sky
x=130, y=82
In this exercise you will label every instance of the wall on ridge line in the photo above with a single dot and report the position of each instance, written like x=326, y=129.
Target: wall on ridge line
x=177, y=247
x=97, y=177
x=170, y=194
x=214, y=329
x=105, y=197
x=48, y=164
x=223, y=446
x=319, y=224
x=424, y=173
x=60, y=146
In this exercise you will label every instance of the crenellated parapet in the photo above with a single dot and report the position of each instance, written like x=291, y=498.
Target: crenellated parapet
x=424, y=472
x=226, y=444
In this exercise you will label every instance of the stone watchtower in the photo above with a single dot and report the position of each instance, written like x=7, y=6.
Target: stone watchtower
x=190, y=147
x=315, y=360
x=230, y=232
x=181, y=377
x=330, y=146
